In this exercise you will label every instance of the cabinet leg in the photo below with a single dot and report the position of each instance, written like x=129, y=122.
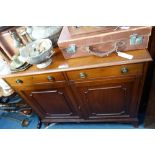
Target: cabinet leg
x=135, y=124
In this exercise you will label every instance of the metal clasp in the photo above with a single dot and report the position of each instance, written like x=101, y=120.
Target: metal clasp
x=136, y=39
x=71, y=49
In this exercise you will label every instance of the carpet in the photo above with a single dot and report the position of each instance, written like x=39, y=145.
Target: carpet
x=6, y=123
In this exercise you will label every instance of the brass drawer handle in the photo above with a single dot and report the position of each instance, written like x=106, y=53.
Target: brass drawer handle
x=124, y=70
x=18, y=81
x=83, y=75
x=50, y=78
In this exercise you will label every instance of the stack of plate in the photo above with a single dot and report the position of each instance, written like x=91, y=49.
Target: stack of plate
x=17, y=65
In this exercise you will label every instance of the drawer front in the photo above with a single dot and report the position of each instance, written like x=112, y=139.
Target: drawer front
x=16, y=81
x=105, y=72
x=36, y=79
x=51, y=77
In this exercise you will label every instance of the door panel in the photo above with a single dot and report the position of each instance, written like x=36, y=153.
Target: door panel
x=51, y=102
x=107, y=99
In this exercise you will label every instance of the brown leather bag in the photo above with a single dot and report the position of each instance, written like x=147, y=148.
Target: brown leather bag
x=102, y=41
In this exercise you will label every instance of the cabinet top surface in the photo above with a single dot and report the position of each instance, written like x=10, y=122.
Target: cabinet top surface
x=60, y=64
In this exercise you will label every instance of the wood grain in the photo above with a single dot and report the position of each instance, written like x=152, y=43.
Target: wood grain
x=35, y=79
x=106, y=95
x=84, y=63
x=133, y=69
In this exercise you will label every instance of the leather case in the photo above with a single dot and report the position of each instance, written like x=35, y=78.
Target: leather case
x=102, y=41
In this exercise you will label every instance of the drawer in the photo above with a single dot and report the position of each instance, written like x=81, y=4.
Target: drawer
x=51, y=77
x=22, y=80
x=29, y=80
x=121, y=70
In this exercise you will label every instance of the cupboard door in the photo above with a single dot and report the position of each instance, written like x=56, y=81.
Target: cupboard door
x=111, y=98
x=51, y=102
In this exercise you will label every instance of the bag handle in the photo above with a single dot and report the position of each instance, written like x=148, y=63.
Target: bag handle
x=98, y=53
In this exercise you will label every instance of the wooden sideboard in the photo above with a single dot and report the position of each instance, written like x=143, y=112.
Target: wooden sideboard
x=88, y=89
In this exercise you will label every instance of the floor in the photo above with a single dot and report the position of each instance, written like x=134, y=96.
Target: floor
x=10, y=123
